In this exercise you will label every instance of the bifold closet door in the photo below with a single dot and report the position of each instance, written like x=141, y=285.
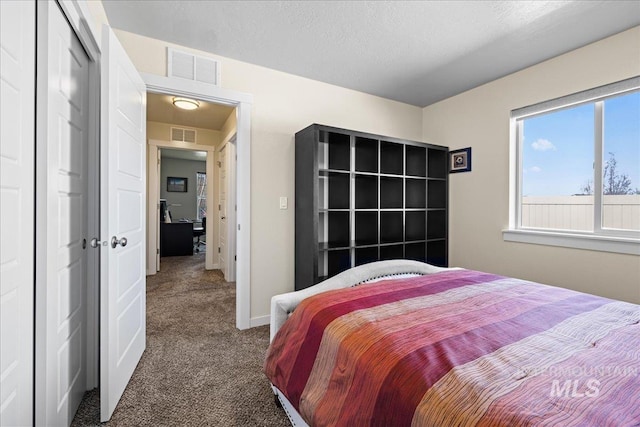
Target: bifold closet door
x=17, y=151
x=61, y=218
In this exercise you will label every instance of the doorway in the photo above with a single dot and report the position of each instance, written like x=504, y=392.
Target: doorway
x=242, y=103
x=182, y=146
x=183, y=200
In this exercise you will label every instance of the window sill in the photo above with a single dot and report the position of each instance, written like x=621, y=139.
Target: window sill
x=577, y=241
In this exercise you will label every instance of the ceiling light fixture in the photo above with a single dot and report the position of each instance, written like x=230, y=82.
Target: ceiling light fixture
x=186, y=103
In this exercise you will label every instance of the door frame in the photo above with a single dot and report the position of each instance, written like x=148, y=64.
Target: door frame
x=242, y=102
x=153, y=198
x=78, y=16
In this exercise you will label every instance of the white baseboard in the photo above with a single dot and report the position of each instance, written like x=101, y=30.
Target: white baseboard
x=214, y=267
x=260, y=321
x=151, y=272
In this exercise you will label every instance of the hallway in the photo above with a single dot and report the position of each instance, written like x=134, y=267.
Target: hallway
x=197, y=369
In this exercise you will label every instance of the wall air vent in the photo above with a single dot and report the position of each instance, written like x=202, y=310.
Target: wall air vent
x=183, y=135
x=193, y=67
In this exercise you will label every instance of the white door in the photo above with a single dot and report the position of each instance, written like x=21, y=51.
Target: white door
x=61, y=219
x=156, y=219
x=153, y=209
x=17, y=143
x=222, y=210
x=232, y=223
x=122, y=222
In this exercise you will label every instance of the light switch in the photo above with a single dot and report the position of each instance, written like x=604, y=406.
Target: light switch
x=283, y=202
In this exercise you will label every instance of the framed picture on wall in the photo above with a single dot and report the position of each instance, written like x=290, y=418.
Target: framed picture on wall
x=460, y=160
x=176, y=185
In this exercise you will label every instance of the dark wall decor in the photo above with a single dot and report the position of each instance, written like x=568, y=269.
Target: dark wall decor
x=177, y=185
x=460, y=160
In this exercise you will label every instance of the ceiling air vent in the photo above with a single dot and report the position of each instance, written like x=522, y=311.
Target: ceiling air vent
x=183, y=135
x=193, y=67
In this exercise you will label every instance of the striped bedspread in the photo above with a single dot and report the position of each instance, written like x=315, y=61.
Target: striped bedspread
x=460, y=348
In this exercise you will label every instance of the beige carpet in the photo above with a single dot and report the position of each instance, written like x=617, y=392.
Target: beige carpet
x=197, y=369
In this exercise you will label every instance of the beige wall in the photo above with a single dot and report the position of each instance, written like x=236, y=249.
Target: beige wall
x=479, y=208
x=162, y=132
x=99, y=16
x=283, y=104
x=229, y=127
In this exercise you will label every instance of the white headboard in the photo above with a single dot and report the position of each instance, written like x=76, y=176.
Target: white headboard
x=282, y=305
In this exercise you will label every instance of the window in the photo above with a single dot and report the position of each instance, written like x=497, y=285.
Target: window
x=577, y=179
x=201, y=195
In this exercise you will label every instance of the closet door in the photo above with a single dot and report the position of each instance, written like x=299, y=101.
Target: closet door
x=61, y=218
x=17, y=144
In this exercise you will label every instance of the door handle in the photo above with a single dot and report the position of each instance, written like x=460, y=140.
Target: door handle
x=94, y=243
x=115, y=242
x=224, y=217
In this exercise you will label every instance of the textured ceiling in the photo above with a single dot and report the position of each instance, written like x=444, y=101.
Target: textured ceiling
x=160, y=108
x=413, y=52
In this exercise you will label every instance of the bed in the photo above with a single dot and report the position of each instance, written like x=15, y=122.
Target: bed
x=397, y=343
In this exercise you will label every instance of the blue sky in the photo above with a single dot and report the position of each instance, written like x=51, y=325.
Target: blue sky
x=558, y=147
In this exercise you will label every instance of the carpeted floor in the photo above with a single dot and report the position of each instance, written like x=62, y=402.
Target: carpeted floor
x=197, y=369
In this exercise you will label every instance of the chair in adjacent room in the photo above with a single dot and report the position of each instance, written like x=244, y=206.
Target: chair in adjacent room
x=199, y=232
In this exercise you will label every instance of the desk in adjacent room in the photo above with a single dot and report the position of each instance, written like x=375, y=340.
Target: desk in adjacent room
x=176, y=238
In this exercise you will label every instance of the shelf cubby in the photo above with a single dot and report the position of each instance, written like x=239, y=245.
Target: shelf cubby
x=339, y=190
x=391, y=252
x=438, y=163
x=415, y=160
x=338, y=230
x=323, y=191
x=391, y=227
x=414, y=226
x=437, y=194
x=415, y=251
x=339, y=151
x=323, y=266
x=338, y=261
x=366, y=255
x=366, y=228
x=437, y=253
x=416, y=193
x=391, y=158
x=437, y=224
x=391, y=192
x=366, y=154
x=366, y=191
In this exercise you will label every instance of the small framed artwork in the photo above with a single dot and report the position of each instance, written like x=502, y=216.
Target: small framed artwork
x=176, y=185
x=460, y=160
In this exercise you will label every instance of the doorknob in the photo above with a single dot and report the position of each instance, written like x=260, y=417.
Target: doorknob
x=95, y=243
x=115, y=242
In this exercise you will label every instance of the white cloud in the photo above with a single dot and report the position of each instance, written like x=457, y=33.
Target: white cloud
x=543, y=145
x=532, y=169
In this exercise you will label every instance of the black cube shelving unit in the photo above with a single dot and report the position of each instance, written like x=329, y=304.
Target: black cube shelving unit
x=361, y=198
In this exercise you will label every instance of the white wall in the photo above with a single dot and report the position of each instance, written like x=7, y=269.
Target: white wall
x=283, y=104
x=479, y=208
